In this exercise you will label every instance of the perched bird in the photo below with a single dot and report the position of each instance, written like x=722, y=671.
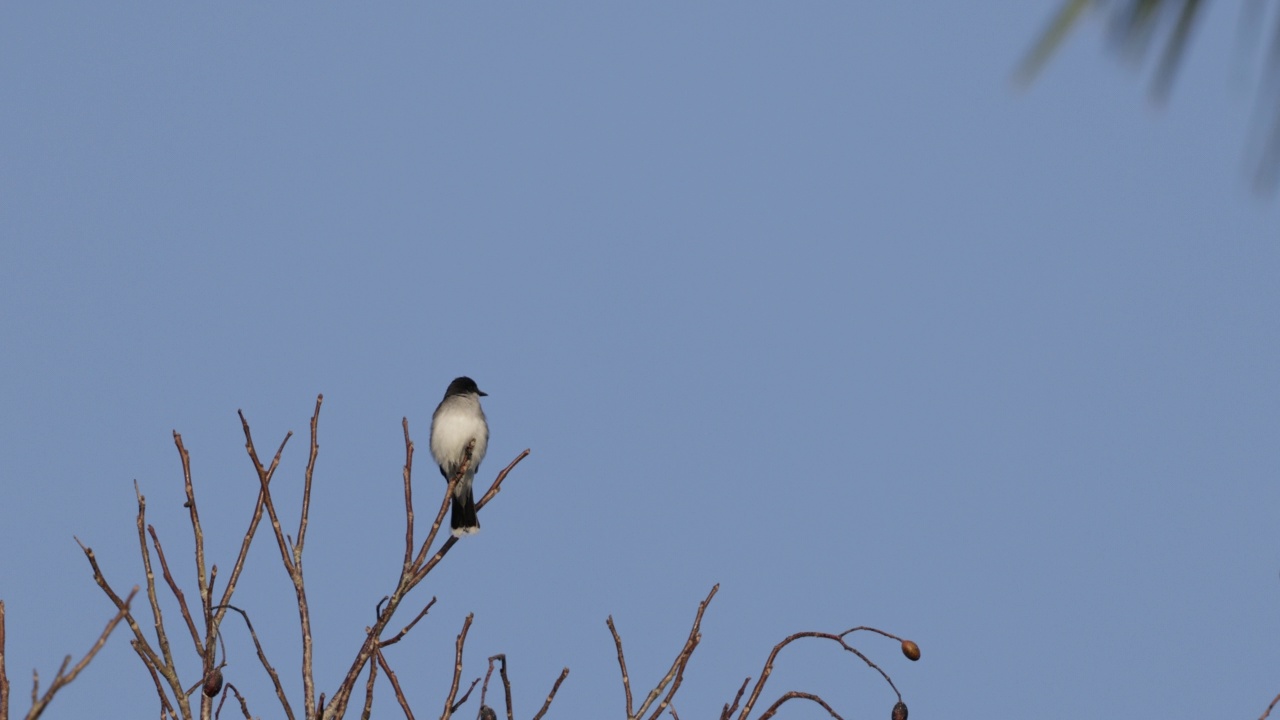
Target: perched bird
x=458, y=420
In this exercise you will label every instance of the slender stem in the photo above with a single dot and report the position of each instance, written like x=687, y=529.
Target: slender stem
x=4, y=676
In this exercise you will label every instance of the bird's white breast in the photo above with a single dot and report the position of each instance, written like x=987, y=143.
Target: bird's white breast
x=458, y=421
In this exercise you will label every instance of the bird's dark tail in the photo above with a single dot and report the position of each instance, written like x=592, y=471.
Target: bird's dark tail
x=463, y=519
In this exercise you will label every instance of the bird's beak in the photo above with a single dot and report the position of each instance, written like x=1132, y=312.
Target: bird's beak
x=481, y=393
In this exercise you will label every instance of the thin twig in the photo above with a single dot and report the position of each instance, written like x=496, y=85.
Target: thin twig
x=306, y=487
x=264, y=481
x=408, y=580
x=682, y=659
x=254, y=520
x=484, y=689
x=457, y=666
x=419, y=568
x=622, y=662
x=395, y=683
x=506, y=686
x=177, y=591
x=63, y=678
x=368, y=693
x=838, y=639
x=262, y=658
x=204, y=582
x=408, y=495
x=794, y=694
x=304, y=612
x=201, y=580
x=140, y=643
x=400, y=635
x=292, y=560
x=506, y=683
x=546, y=705
x=493, y=490
x=877, y=631
x=729, y=709
x=244, y=707
x=4, y=676
x=463, y=700
x=162, y=637
x=496, y=487
x=165, y=706
x=338, y=705
x=675, y=685
x=214, y=620
x=1270, y=708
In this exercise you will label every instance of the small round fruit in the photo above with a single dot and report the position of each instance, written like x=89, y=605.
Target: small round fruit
x=911, y=650
x=213, y=683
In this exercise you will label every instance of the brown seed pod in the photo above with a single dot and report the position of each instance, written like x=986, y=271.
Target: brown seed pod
x=213, y=683
x=911, y=650
x=899, y=711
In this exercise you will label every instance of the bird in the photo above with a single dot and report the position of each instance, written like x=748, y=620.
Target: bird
x=457, y=421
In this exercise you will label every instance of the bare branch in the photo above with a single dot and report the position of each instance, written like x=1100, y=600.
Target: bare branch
x=368, y=693
x=244, y=707
x=496, y=487
x=546, y=705
x=1270, y=708
x=337, y=706
x=292, y=560
x=506, y=687
x=63, y=678
x=484, y=689
x=177, y=591
x=408, y=496
x=794, y=694
x=506, y=683
x=161, y=636
x=420, y=566
x=254, y=520
x=457, y=666
x=622, y=663
x=140, y=644
x=463, y=700
x=675, y=685
x=4, y=675
x=729, y=709
x=264, y=480
x=165, y=707
x=838, y=639
x=678, y=665
x=306, y=487
x=262, y=658
x=202, y=582
x=490, y=493
x=395, y=683
x=877, y=631
x=400, y=635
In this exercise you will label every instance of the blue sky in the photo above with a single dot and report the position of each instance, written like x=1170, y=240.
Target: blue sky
x=809, y=301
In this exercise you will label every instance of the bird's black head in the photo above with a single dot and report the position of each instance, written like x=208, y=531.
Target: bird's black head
x=463, y=386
